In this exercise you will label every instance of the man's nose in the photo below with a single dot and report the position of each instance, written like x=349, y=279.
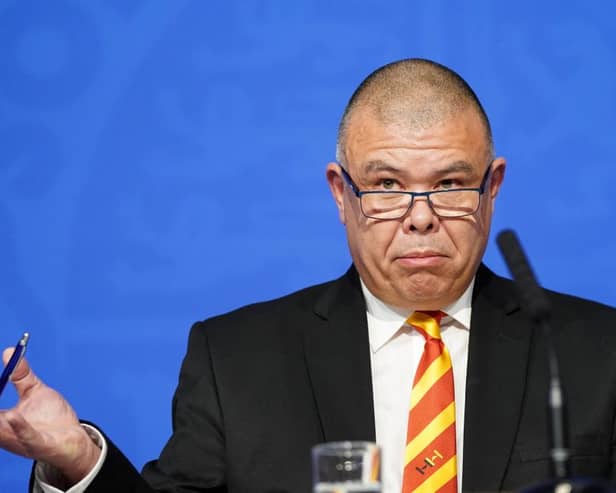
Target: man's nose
x=420, y=217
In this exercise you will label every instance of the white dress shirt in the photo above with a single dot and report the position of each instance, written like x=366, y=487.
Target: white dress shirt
x=45, y=474
x=395, y=351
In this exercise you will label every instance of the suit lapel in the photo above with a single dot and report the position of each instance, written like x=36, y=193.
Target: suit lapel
x=338, y=358
x=496, y=377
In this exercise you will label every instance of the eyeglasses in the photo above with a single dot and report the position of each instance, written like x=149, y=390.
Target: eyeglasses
x=390, y=204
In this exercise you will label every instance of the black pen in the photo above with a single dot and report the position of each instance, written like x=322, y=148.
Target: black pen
x=18, y=353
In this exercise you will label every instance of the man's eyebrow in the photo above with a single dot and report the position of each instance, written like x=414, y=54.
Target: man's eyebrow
x=373, y=166
x=457, y=167
x=454, y=167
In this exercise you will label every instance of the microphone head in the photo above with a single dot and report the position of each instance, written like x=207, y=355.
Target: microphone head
x=532, y=297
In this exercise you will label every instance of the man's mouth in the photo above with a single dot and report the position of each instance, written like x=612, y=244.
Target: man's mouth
x=421, y=258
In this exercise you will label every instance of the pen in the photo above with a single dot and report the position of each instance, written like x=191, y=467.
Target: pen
x=18, y=353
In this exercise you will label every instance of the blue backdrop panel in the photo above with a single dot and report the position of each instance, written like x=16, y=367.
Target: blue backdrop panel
x=162, y=162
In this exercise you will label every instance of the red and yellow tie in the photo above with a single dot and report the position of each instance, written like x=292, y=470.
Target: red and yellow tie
x=430, y=455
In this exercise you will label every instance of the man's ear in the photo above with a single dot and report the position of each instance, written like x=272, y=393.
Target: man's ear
x=336, y=186
x=497, y=176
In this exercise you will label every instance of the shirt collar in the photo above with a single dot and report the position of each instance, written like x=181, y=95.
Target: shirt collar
x=384, y=320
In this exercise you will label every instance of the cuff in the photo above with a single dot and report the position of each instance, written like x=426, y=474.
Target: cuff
x=44, y=474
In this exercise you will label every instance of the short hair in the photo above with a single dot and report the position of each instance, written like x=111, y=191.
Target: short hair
x=415, y=91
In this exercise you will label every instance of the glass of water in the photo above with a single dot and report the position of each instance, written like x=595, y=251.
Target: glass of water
x=346, y=467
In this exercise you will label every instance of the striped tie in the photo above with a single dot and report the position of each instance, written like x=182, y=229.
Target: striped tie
x=430, y=455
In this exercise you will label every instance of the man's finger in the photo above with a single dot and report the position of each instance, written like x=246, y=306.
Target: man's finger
x=19, y=437
x=23, y=377
x=28, y=437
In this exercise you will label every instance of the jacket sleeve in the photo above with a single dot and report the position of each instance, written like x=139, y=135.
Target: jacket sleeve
x=193, y=460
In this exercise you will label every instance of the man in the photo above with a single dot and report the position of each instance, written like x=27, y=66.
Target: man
x=415, y=186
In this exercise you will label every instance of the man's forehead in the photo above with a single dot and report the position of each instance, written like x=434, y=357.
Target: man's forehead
x=367, y=132
x=366, y=118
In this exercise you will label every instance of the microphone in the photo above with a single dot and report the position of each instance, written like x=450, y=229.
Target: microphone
x=537, y=305
x=532, y=296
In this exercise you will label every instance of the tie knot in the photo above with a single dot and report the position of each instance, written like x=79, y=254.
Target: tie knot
x=427, y=323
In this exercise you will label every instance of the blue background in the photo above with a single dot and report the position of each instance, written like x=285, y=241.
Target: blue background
x=124, y=124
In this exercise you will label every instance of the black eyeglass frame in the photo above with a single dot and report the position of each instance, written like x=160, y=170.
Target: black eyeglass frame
x=359, y=193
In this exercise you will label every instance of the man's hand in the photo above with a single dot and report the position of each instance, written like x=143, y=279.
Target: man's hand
x=44, y=427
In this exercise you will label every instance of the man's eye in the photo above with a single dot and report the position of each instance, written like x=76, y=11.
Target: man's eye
x=388, y=183
x=448, y=184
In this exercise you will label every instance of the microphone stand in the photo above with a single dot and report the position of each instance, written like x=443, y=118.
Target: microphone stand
x=538, y=308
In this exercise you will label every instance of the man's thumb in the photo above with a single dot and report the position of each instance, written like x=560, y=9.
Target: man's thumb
x=23, y=377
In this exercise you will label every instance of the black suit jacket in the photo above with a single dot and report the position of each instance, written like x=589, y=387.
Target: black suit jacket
x=260, y=386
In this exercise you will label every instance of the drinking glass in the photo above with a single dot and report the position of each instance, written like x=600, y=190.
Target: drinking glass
x=346, y=467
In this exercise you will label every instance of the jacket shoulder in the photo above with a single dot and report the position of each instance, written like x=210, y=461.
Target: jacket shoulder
x=296, y=308
x=569, y=314
x=559, y=302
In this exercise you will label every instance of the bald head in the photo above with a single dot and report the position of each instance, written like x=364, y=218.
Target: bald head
x=414, y=93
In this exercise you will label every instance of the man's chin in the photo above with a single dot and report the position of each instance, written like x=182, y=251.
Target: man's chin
x=424, y=290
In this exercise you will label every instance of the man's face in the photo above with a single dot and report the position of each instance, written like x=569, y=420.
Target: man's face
x=419, y=261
